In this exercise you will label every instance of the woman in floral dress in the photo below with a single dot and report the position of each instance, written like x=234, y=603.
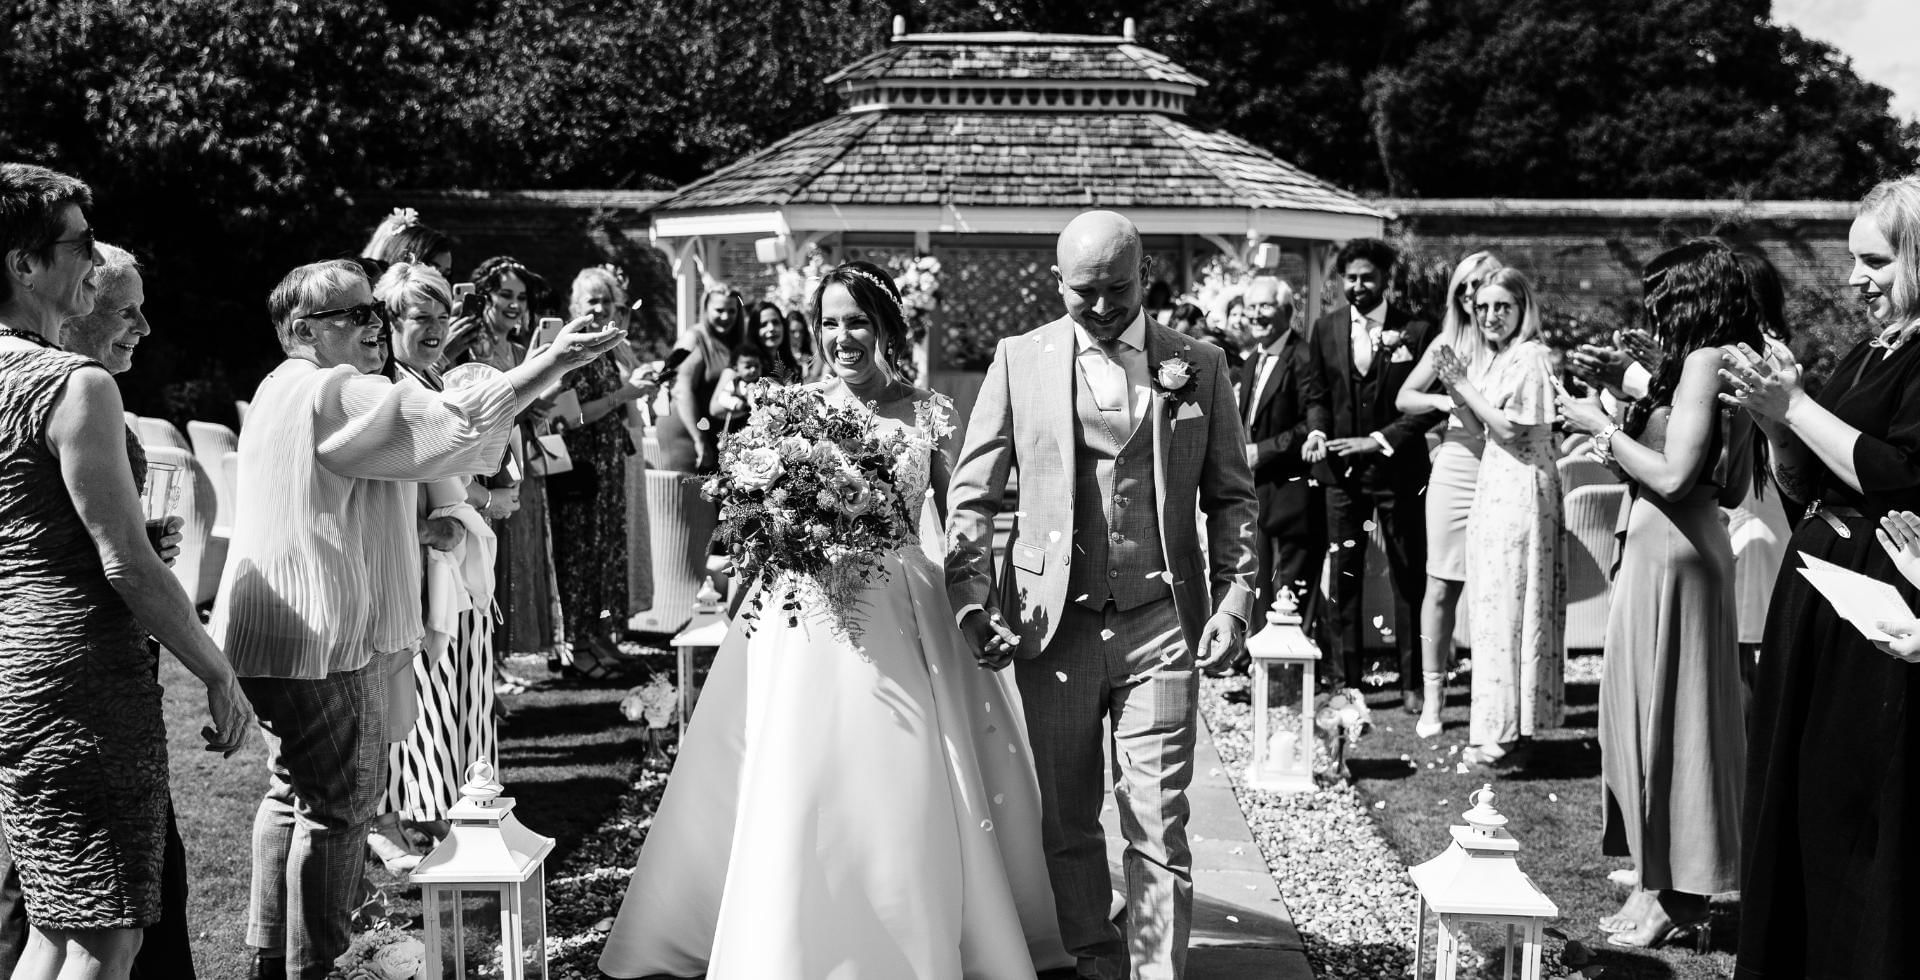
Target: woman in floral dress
x=1516, y=572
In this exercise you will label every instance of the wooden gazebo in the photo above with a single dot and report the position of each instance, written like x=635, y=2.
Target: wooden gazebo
x=976, y=149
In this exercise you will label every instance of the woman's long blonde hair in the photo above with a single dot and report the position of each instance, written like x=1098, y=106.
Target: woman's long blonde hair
x=1457, y=329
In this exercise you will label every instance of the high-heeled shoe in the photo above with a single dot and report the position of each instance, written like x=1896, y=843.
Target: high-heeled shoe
x=389, y=843
x=1697, y=934
x=1632, y=911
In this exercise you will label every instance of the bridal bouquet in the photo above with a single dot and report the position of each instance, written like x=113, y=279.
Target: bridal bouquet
x=810, y=499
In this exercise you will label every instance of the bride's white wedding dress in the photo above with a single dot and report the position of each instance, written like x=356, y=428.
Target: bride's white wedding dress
x=848, y=811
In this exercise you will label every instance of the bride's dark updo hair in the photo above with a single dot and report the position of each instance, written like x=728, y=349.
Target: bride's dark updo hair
x=873, y=290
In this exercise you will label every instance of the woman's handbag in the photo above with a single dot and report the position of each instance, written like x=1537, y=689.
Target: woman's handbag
x=547, y=456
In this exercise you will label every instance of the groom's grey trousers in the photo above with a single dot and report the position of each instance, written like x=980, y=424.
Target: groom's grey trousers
x=1133, y=670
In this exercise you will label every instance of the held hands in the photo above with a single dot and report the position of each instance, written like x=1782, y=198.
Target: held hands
x=232, y=716
x=1766, y=386
x=992, y=640
x=1221, y=641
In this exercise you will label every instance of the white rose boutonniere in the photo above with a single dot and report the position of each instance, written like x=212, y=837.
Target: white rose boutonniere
x=1392, y=339
x=1174, y=374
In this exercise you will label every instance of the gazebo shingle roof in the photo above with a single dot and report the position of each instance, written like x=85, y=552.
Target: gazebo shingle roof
x=1053, y=159
x=1017, y=57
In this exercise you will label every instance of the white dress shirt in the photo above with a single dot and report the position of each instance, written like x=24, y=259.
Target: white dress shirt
x=1119, y=380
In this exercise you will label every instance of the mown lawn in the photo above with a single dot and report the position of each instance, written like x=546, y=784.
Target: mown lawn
x=567, y=755
x=1554, y=808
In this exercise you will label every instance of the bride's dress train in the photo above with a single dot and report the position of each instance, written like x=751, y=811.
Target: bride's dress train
x=863, y=811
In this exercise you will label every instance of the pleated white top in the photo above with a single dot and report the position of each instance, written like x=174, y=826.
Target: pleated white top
x=324, y=569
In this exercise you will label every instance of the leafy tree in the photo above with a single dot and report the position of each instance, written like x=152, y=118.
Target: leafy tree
x=221, y=138
x=1604, y=98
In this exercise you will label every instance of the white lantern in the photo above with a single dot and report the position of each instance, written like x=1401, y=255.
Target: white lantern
x=484, y=890
x=1282, y=760
x=1476, y=880
x=705, y=631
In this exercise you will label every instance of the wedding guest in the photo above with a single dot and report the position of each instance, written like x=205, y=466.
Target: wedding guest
x=1187, y=318
x=687, y=440
x=590, y=502
x=800, y=336
x=1516, y=571
x=83, y=757
x=1672, y=707
x=400, y=237
x=109, y=335
x=1283, y=405
x=733, y=397
x=441, y=700
x=1828, y=849
x=1373, y=462
x=322, y=583
x=1450, y=487
x=1758, y=524
x=525, y=582
x=770, y=337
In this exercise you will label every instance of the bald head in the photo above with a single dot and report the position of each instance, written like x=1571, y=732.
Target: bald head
x=1098, y=266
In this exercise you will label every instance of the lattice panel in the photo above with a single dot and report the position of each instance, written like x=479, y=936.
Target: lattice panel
x=987, y=294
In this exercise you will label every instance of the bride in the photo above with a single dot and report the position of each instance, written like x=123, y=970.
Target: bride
x=851, y=811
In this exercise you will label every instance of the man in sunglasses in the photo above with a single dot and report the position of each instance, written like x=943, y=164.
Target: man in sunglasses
x=322, y=584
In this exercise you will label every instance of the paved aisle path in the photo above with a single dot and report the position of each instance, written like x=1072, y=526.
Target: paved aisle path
x=1241, y=929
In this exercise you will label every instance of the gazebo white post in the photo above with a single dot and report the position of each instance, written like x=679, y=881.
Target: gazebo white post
x=1317, y=258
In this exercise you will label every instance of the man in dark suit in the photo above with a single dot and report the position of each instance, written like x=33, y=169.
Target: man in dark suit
x=1374, y=461
x=1283, y=403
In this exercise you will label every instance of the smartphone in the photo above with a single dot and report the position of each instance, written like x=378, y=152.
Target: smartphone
x=549, y=327
x=466, y=302
x=672, y=365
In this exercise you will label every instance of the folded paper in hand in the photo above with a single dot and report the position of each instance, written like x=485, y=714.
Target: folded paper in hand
x=1858, y=599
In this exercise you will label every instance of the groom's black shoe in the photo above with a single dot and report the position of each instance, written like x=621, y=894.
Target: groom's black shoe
x=268, y=968
x=1413, y=702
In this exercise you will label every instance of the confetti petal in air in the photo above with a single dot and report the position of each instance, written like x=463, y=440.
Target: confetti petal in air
x=1062, y=675
x=1106, y=634
x=999, y=799
x=703, y=425
x=986, y=825
x=1368, y=526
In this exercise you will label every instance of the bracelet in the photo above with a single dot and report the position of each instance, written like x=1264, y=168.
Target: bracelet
x=489, y=501
x=1603, y=442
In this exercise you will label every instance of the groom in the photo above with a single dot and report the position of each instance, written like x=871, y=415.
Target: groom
x=1118, y=428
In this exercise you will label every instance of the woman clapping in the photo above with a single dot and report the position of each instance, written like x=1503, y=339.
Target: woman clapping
x=1672, y=735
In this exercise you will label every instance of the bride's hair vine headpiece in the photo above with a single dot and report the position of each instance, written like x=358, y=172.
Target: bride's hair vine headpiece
x=889, y=290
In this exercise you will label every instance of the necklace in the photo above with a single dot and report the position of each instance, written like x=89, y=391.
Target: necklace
x=27, y=335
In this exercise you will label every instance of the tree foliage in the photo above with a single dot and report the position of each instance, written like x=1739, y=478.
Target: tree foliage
x=228, y=138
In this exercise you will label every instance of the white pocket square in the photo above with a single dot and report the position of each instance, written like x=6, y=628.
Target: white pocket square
x=1189, y=410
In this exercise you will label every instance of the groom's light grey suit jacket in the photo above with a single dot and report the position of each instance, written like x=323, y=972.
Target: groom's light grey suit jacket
x=1024, y=420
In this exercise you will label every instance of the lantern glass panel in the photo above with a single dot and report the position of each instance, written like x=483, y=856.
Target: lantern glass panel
x=1284, y=751
x=474, y=949
x=533, y=926
x=442, y=909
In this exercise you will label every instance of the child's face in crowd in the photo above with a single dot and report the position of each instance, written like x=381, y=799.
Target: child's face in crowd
x=747, y=369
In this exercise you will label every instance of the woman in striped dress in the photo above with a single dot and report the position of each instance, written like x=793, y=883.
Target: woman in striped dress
x=449, y=722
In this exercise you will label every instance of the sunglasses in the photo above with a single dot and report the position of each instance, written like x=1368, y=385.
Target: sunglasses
x=85, y=242
x=364, y=315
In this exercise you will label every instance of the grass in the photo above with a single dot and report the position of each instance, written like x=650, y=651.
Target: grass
x=567, y=755
x=1554, y=808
